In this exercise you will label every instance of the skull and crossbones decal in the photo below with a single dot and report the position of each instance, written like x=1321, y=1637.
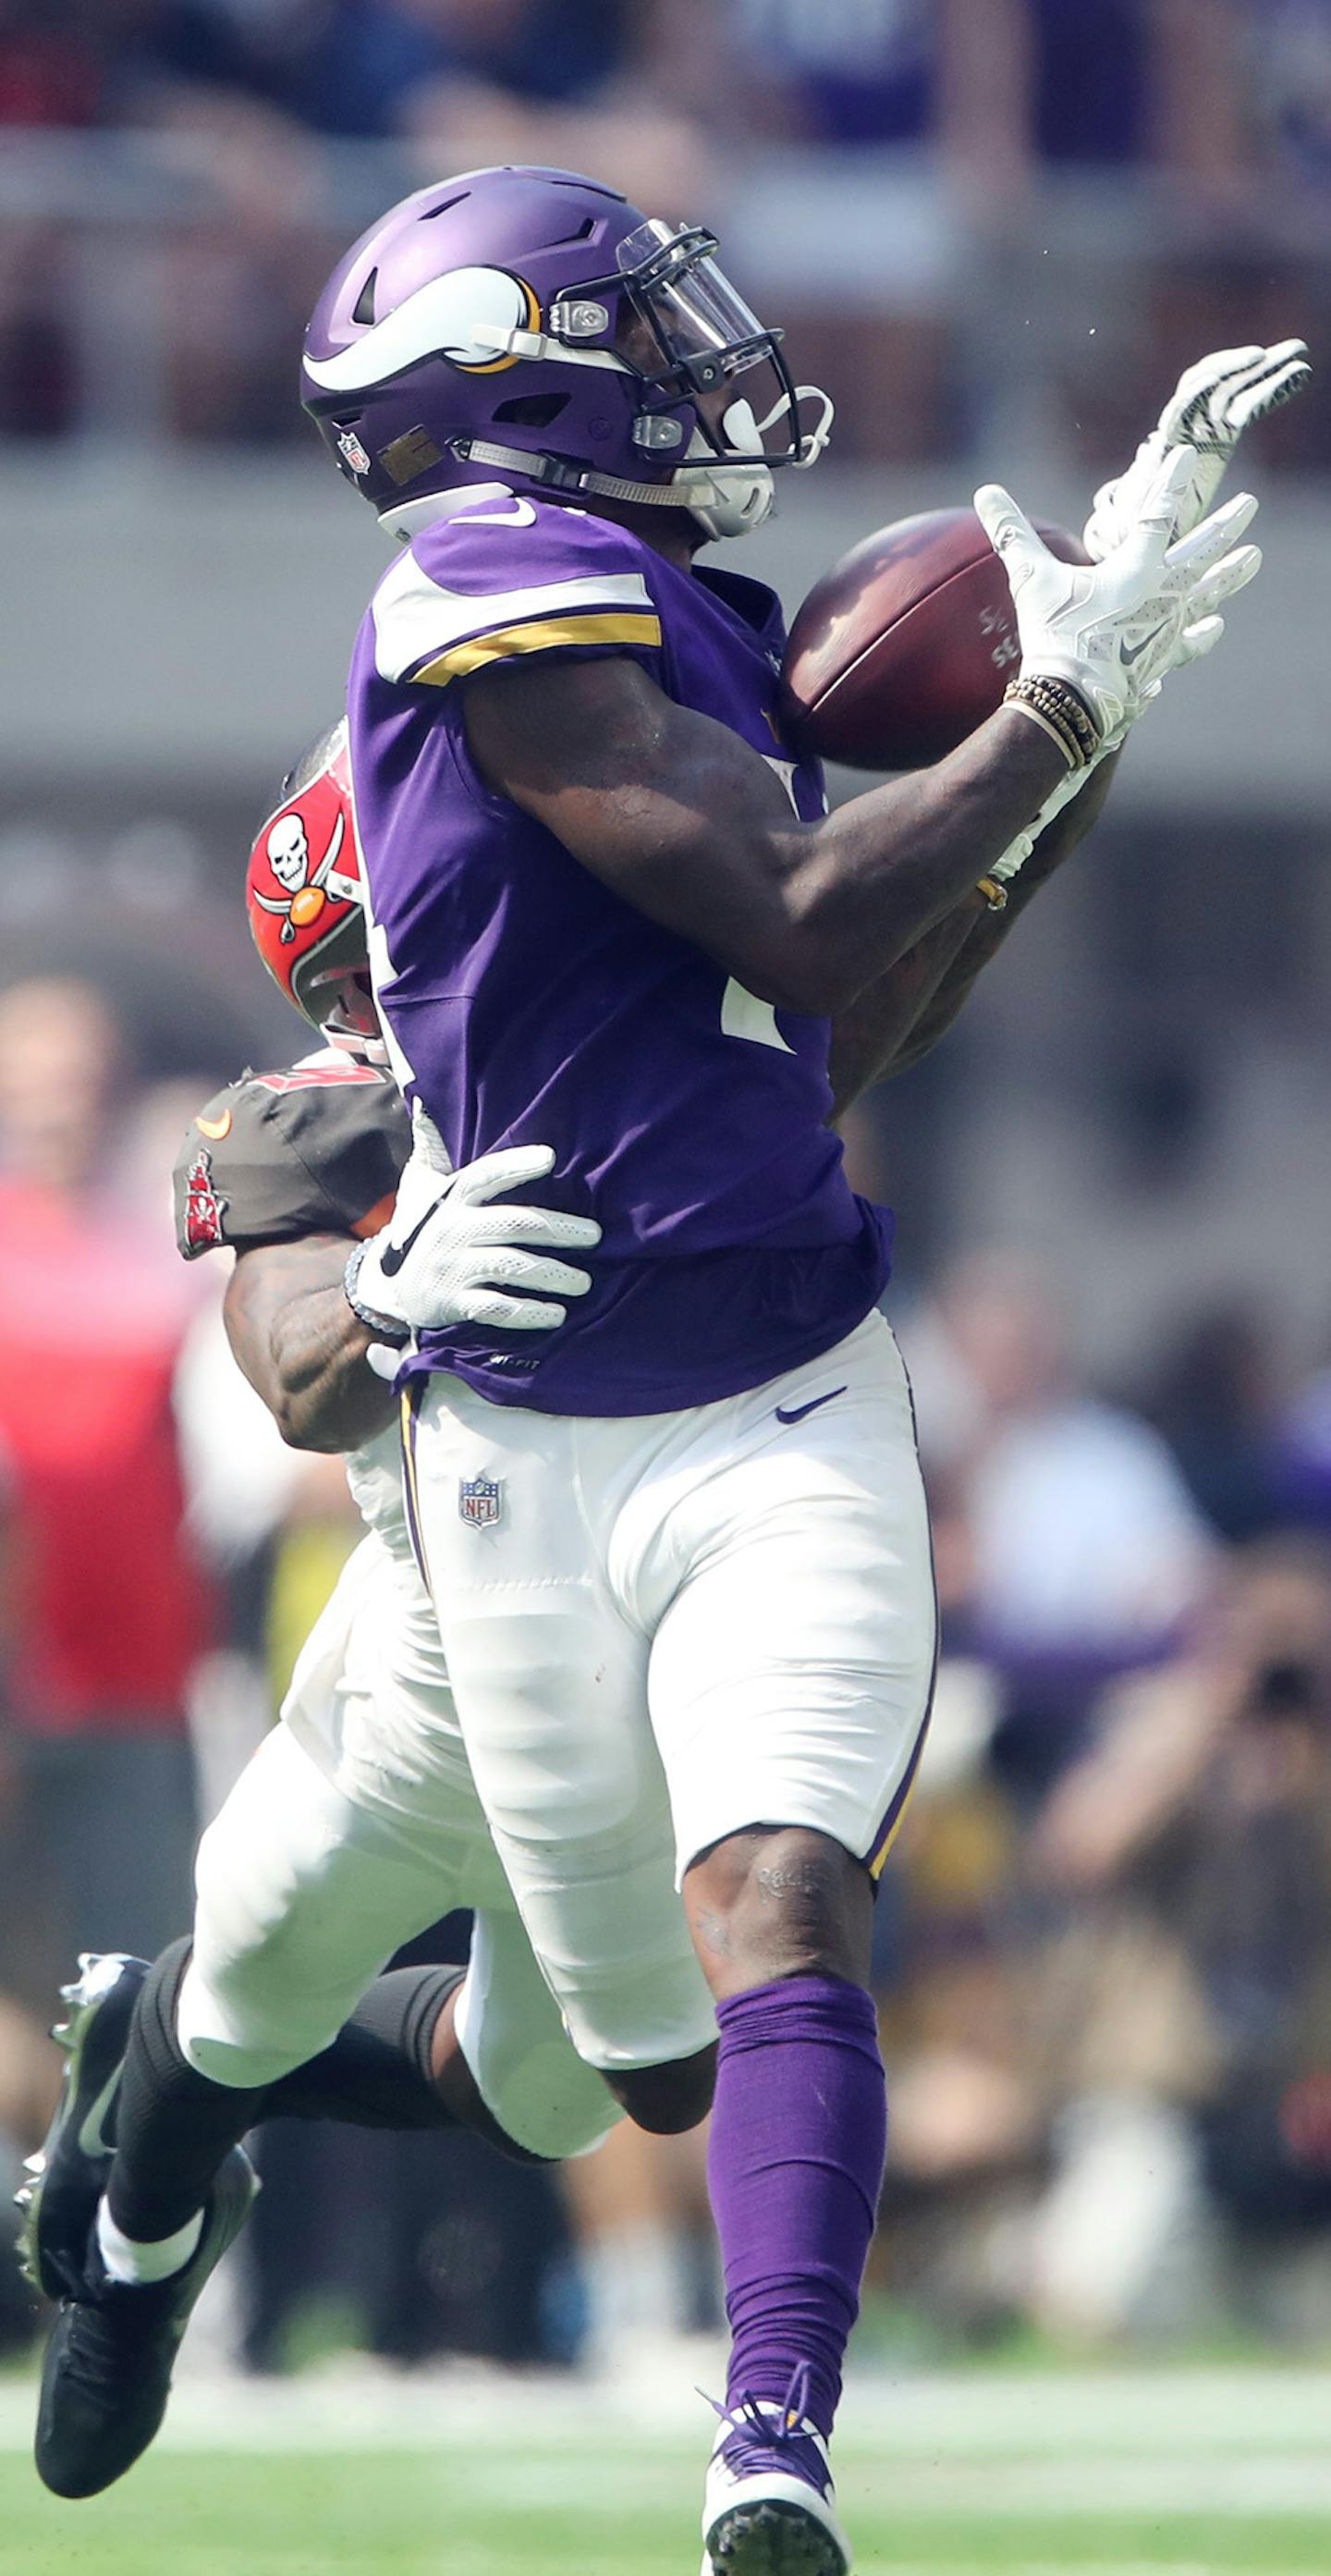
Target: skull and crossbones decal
x=307, y=888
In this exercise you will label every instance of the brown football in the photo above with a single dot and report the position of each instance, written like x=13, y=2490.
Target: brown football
x=907, y=644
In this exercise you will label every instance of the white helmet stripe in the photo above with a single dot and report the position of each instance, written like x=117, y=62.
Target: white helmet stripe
x=464, y=315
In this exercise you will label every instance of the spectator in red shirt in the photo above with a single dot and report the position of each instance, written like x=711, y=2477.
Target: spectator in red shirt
x=108, y=1608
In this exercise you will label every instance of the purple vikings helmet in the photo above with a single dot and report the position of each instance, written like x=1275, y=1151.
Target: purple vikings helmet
x=532, y=323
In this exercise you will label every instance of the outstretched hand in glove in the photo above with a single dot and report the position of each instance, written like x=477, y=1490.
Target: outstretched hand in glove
x=1211, y=406
x=1110, y=631
x=450, y=1255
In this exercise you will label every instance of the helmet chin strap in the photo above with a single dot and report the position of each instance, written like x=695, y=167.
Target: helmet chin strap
x=694, y=489
x=354, y=1042
x=728, y=497
x=574, y=479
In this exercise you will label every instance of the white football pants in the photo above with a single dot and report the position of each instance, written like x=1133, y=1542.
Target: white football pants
x=664, y=1629
x=354, y=1827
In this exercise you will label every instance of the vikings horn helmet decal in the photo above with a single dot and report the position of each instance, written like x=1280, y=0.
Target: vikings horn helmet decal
x=304, y=895
x=533, y=323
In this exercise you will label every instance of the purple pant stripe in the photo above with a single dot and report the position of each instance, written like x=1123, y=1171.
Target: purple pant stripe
x=882, y=1841
x=411, y=1396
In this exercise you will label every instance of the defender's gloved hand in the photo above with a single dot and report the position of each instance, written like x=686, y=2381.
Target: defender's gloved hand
x=448, y=1255
x=1207, y=413
x=1111, y=631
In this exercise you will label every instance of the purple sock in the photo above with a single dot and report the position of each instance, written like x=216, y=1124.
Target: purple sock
x=799, y=2135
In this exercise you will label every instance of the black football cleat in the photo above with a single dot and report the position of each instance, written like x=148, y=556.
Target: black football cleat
x=107, y=2373
x=68, y=2174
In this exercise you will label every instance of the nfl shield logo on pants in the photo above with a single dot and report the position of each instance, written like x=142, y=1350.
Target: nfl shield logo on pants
x=480, y=1500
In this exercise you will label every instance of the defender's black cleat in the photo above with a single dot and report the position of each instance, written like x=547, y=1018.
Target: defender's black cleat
x=107, y=2373
x=68, y=2173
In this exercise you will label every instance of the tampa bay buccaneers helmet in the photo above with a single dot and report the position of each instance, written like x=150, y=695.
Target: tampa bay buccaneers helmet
x=304, y=893
x=533, y=322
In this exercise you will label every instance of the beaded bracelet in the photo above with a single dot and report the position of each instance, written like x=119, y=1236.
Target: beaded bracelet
x=1059, y=700
x=1061, y=710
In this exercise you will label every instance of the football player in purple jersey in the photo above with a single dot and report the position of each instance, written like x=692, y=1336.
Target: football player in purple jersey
x=677, y=1545
x=678, y=1548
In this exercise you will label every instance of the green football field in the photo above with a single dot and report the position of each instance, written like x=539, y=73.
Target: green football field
x=1113, y=2473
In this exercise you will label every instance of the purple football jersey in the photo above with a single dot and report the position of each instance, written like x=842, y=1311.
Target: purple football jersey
x=527, y=1004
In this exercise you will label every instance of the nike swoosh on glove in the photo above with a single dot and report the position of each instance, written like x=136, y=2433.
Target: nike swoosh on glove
x=1211, y=406
x=1113, y=630
x=450, y=1255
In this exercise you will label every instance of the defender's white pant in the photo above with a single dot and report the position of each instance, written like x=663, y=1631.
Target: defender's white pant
x=354, y=1827
x=673, y=1627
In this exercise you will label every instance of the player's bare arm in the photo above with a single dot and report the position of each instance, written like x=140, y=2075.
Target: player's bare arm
x=680, y=817
x=676, y=814
x=301, y=1346
x=896, y=1021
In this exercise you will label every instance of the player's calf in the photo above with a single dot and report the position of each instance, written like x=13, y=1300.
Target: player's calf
x=667, y=2100
x=781, y=1919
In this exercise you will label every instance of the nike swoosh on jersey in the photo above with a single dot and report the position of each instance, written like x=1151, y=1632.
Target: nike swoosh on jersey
x=93, y=2140
x=217, y=1128
x=394, y=1254
x=1133, y=652
x=797, y=1412
x=522, y=515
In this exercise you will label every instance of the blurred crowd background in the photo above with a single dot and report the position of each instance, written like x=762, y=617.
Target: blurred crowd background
x=996, y=230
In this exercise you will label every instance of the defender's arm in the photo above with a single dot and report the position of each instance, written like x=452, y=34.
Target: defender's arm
x=300, y=1345
x=896, y=1021
x=301, y=1324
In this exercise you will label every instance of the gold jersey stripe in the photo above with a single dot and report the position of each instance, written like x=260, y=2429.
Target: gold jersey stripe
x=619, y=626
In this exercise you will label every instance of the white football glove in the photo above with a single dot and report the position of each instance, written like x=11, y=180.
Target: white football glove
x=1207, y=413
x=1114, y=629
x=449, y=1256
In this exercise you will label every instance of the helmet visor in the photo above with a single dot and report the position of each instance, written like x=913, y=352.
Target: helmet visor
x=687, y=331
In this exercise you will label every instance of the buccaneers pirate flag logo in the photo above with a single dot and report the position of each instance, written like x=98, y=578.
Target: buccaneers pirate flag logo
x=308, y=882
x=203, y=1207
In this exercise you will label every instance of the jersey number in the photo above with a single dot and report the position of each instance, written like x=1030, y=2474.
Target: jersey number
x=744, y=1016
